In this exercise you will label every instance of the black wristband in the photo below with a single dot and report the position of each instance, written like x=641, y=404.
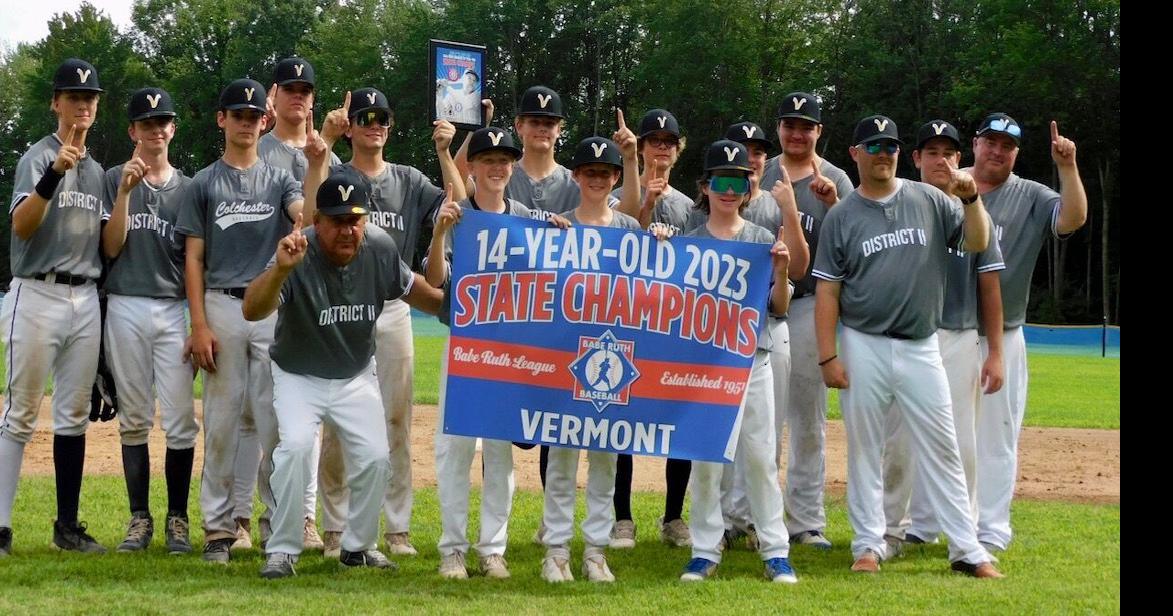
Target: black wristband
x=828, y=360
x=969, y=200
x=48, y=183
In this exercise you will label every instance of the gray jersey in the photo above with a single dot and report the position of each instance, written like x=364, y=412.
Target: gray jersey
x=326, y=321
x=890, y=258
x=404, y=203
x=619, y=220
x=67, y=240
x=1024, y=212
x=278, y=154
x=961, y=288
x=672, y=208
x=749, y=233
x=241, y=214
x=811, y=211
x=555, y=194
x=512, y=208
x=151, y=261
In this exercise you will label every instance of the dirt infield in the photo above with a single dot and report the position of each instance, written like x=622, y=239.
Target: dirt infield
x=1056, y=464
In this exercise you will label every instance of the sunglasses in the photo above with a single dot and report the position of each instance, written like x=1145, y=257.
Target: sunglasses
x=726, y=183
x=662, y=142
x=382, y=118
x=876, y=148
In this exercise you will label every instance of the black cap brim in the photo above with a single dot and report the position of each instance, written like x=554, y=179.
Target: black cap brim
x=344, y=210
x=765, y=143
x=243, y=106
x=544, y=114
x=878, y=138
x=798, y=116
x=296, y=80
x=79, y=89
x=922, y=143
x=514, y=152
x=153, y=114
x=730, y=167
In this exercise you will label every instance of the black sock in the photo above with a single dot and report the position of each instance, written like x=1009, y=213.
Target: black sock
x=69, y=454
x=676, y=474
x=543, y=462
x=177, y=468
x=622, y=499
x=136, y=466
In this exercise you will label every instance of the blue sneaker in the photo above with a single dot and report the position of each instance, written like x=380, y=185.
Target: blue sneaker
x=699, y=569
x=779, y=570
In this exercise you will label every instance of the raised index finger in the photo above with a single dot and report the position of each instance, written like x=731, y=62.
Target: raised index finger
x=815, y=169
x=309, y=122
x=781, y=233
x=346, y=104
x=297, y=224
x=1054, y=130
x=69, y=136
x=138, y=147
x=619, y=118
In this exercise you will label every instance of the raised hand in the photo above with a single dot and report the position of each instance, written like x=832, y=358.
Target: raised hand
x=623, y=136
x=961, y=185
x=449, y=214
x=823, y=188
x=134, y=170
x=487, y=103
x=315, y=148
x=69, y=152
x=270, y=118
x=292, y=248
x=443, y=134
x=337, y=121
x=1062, y=148
x=783, y=192
x=779, y=252
x=656, y=187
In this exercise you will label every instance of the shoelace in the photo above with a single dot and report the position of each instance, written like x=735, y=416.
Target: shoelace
x=177, y=526
x=138, y=529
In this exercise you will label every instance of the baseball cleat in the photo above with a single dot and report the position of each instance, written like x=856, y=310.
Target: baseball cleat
x=698, y=569
x=217, y=551
x=311, y=540
x=139, y=533
x=980, y=570
x=177, y=534
x=779, y=570
x=594, y=566
x=452, y=566
x=75, y=539
x=623, y=535
x=399, y=544
x=675, y=533
x=244, y=540
x=278, y=566
x=868, y=562
x=813, y=538
x=366, y=558
x=556, y=566
x=494, y=566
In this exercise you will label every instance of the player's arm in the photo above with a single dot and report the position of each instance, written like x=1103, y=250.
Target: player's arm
x=800, y=255
x=202, y=345
x=990, y=312
x=629, y=201
x=423, y=296
x=442, y=136
x=1073, y=211
x=976, y=225
x=263, y=293
x=461, y=158
x=826, y=319
x=436, y=269
x=28, y=215
x=780, y=291
x=114, y=233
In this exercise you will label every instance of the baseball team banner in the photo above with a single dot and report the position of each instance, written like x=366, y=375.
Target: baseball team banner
x=601, y=338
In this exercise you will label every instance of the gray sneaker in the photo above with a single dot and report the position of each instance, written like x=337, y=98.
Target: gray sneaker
x=177, y=534
x=623, y=535
x=367, y=558
x=139, y=533
x=75, y=539
x=279, y=565
x=217, y=551
x=675, y=533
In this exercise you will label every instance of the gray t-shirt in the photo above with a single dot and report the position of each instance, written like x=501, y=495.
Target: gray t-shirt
x=749, y=233
x=890, y=258
x=673, y=208
x=151, y=261
x=960, y=310
x=326, y=321
x=277, y=153
x=241, y=214
x=555, y=194
x=67, y=240
x=404, y=203
x=619, y=220
x=811, y=211
x=1024, y=212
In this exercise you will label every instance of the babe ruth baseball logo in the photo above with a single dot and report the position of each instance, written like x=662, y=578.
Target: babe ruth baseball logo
x=83, y=75
x=371, y=97
x=731, y=153
x=248, y=93
x=938, y=128
x=604, y=370
x=798, y=102
x=154, y=100
x=880, y=124
x=662, y=120
x=297, y=68
x=496, y=138
x=345, y=192
x=598, y=148
x=543, y=100
x=749, y=131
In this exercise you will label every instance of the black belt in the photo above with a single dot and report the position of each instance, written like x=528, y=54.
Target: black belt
x=59, y=278
x=899, y=336
x=237, y=292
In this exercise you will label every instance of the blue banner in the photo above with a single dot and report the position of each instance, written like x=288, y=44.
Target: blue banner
x=601, y=338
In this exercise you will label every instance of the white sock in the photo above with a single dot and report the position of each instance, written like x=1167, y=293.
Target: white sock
x=11, y=455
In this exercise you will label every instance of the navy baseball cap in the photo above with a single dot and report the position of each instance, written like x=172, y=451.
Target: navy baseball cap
x=875, y=128
x=658, y=120
x=597, y=150
x=367, y=99
x=344, y=192
x=540, y=101
x=1000, y=123
x=243, y=94
x=748, y=132
x=293, y=70
x=727, y=154
x=150, y=103
x=75, y=75
x=490, y=139
x=934, y=129
x=801, y=105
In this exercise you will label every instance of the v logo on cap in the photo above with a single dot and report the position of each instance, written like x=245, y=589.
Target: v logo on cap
x=544, y=100
x=937, y=128
x=297, y=68
x=371, y=97
x=597, y=147
x=798, y=102
x=83, y=75
x=496, y=138
x=662, y=120
x=881, y=124
x=345, y=192
x=730, y=153
x=154, y=100
x=749, y=131
x=248, y=93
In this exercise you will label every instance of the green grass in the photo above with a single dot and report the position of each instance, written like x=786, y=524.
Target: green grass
x=1065, y=559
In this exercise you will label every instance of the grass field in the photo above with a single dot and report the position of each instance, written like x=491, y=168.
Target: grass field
x=1065, y=559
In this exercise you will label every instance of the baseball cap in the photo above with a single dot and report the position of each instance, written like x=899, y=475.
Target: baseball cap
x=243, y=94
x=344, y=192
x=489, y=139
x=934, y=129
x=658, y=120
x=999, y=122
x=150, y=103
x=727, y=154
x=293, y=70
x=367, y=99
x=76, y=75
x=875, y=128
x=748, y=132
x=540, y=101
x=801, y=105
x=597, y=150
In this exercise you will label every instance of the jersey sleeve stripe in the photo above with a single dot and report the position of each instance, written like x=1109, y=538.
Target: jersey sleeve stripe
x=825, y=276
x=992, y=267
